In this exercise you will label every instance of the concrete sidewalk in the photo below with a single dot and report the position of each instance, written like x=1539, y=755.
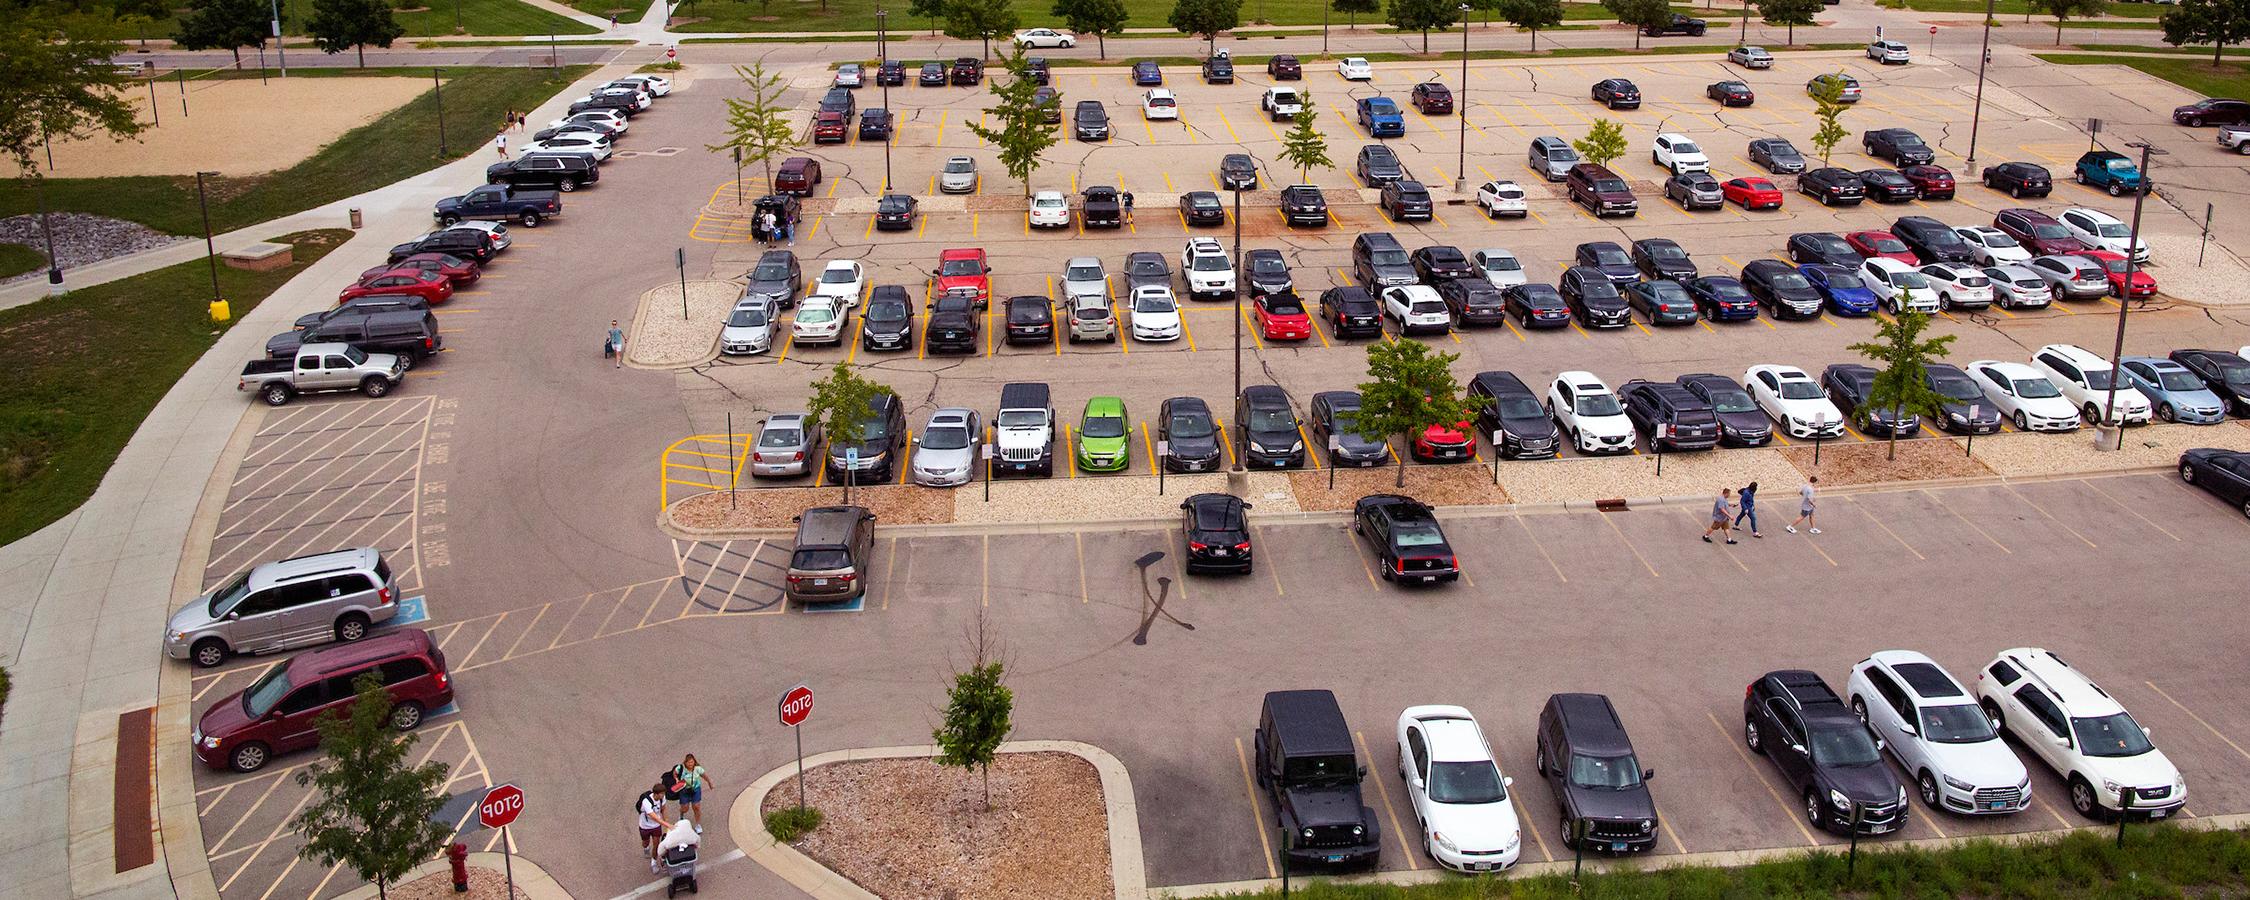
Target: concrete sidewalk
x=82, y=601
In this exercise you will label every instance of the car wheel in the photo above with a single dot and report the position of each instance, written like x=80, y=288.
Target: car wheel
x=1750, y=735
x=2195, y=122
x=1859, y=704
x=2187, y=472
x=1992, y=715
x=2116, y=190
x=530, y=219
x=209, y=652
x=375, y=386
x=249, y=757
x=2022, y=424
x=351, y=627
x=2082, y=798
x=2080, y=177
x=2016, y=192
x=2246, y=509
x=1988, y=181
x=1539, y=760
x=567, y=185
x=406, y=715
x=1569, y=833
x=448, y=221
x=1930, y=796
x=275, y=394
x=2057, y=293
x=1812, y=809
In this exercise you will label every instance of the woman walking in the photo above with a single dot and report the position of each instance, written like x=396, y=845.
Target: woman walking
x=1749, y=509
x=693, y=778
x=1805, y=506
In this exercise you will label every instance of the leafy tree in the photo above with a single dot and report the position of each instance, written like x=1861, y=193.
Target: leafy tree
x=2064, y=10
x=1828, y=107
x=1409, y=387
x=339, y=25
x=1903, y=353
x=1532, y=15
x=1205, y=19
x=1488, y=7
x=840, y=403
x=977, y=712
x=1791, y=13
x=1353, y=9
x=1019, y=128
x=1304, y=146
x=759, y=125
x=56, y=85
x=1099, y=18
x=1603, y=144
x=2214, y=22
x=1422, y=15
x=972, y=20
x=372, y=810
x=1643, y=14
x=931, y=10
x=225, y=25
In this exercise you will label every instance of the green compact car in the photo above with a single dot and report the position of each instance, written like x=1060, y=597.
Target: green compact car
x=1104, y=436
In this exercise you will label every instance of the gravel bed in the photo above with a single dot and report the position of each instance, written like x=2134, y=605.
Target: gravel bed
x=1457, y=485
x=81, y=239
x=1581, y=478
x=2017, y=455
x=1061, y=499
x=893, y=504
x=1870, y=463
x=661, y=339
x=2218, y=282
x=484, y=884
x=910, y=829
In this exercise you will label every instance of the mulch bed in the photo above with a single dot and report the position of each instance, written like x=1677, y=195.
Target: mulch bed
x=892, y=504
x=1867, y=463
x=1466, y=484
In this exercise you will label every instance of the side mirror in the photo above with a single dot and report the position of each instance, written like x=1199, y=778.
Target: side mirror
x=1363, y=773
x=2061, y=741
x=232, y=615
x=1183, y=504
x=1248, y=506
x=2147, y=733
x=1878, y=743
x=1507, y=781
x=1647, y=774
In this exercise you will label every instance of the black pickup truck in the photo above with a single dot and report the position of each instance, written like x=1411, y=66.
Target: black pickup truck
x=500, y=201
x=1102, y=207
x=1678, y=25
x=561, y=172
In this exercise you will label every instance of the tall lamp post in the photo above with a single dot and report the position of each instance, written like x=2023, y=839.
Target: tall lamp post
x=1976, y=112
x=47, y=230
x=279, y=50
x=1239, y=258
x=1461, y=109
x=1744, y=40
x=438, y=85
x=210, y=248
x=2112, y=436
x=883, y=49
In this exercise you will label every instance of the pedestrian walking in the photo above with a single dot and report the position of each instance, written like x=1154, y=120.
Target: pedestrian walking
x=1721, y=518
x=693, y=778
x=1749, y=509
x=500, y=140
x=650, y=809
x=613, y=21
x=1127, y=198
x=1805, y=506
x=614, y=345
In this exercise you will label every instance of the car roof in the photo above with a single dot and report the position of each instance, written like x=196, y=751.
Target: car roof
x=1592, y=724
x=1582, y=381
x=951, y=415
x=2071, y=688
x=1888, y=265
x=1309, y=722
x=1187, y=404
x=305, y=668
x=2013, y=370
x=1453, y=736
x=1208, y=500
x=297, y=567
x=1922, y=675
x=2079, y=356
x=1809, y=693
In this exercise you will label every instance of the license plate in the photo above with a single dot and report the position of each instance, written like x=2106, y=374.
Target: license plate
x=1429, y=578
x=1997, y=804
x=1616, y=846
x=1449, y=453
x=1480, y=867
x=1022, y=466
x=2158, y=814
x=820, y=582
x=1336, y=858
x=1879, y=829
x=1222, y=551
x=1281, y=464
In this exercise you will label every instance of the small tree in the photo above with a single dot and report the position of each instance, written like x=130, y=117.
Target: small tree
x=2064, y=10
x=1603, y=144
x=1532, y=15
x=57, y=86
x=224, y=25
x=977, y=711
x=1422, y=15
x=1353, y=9
x=979, y=20
x=2214, y=22
x=1903, y=353
x=758, y=126
x=1019, y=128
x=1828, y=107
x=340, y=25
x=841, y=403
x=1205, y=19
x=1409, y=387
x=1099, y=18
x=929, y=10
x=1643, y=14
x=1303, y=146
x=1791, y=13
x=371, y=810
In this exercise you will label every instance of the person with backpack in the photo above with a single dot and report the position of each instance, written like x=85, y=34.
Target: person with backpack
x=693, y=779
x=650, y=810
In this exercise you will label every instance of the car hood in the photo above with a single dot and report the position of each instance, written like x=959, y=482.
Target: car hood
x=1202, y=447
x=1272, y=439
x=2149, y=769
x=1986, y=411
x=1984, y=764
x=944, y=460
x=196, y=614
x=1852, y=294
x=1528, y=426
x=734, y=333
x=1475, y=826
x=1085, y=288
x=1752, y=421
x=1606, y=426
x=2050, y=407
x=947, y=282
x=886, y=327
x=776, y=288
x=1353, y=445
x=1628, y=804
x=1866, y=784
x=1338, y=805
x=867, y=449
x=224, y=717
x=1811, y=410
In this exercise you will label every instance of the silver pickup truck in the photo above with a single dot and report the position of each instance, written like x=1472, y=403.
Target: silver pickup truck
x=322, y=367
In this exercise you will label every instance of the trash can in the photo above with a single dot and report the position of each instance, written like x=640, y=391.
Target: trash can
x=355, y=218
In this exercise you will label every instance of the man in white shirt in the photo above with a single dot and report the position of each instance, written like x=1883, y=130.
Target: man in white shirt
x=651, y=822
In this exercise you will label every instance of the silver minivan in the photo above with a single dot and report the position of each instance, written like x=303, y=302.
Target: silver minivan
x=1552, y=157
x=338, y=596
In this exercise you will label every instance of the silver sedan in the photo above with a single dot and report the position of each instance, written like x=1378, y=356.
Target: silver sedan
x=945, y=454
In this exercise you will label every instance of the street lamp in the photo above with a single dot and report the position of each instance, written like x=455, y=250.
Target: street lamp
x=47, y=229
x=210, y=248
x=1976, y=112
x=1240, y=260
x=882, y=49
x=1744, y=40
x=1461, y=109
x=439, y=86
x=2112, y=436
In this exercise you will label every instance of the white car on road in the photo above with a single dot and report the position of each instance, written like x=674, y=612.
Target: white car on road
x=1888, y=52
x=1158, y=104
x=1933, y=727
x=844, y=280
x=2084, y=378
x=655, y=85
x=1453, y=784
x=1045, y=38
x=1678, y=154
x=1898, y=285
x=2103, y=231
x=617, y=122
x=1416, y=307
x=1586, y=410
x=1991, y=246
x=1355, y=68
x=1794, y=401
x=1084, y=276
x=1156, y=314
x=1500, y=267
x=1050, y=209
x=2081, y=732
x=2024, y=396
x=1503, y=200
x=820, y=320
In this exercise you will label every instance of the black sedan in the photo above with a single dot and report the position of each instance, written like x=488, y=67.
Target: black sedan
x=1238, y=172
x=1889, y=186
x=1731, y=93
x=1966, y=408
x=1781, y=289
x=1202, y=208
x=1822, y=247
x=1850, y=386
x=1537, y=305
x=1217, y=530
x=1832, y=186
x=2225, y=473
x=1663, y=258
x=895, y=212
x=1439, y=263
x=1332, y=421
x=2226, y=374
x=890, y=74
x=1190, y=435
x=1617, y=93
x=1722, y=298
x=933, y=74
x=1351, y=312
x=1409, y=546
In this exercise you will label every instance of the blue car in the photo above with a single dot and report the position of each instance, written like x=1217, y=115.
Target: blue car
x=2109, y=170
x=2178, y=394
x=1381, y=117
x=1843, y=292
x=1722, y=298
x=1145, y=73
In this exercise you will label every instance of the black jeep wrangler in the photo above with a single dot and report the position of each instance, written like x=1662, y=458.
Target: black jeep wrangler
x=1306, y=762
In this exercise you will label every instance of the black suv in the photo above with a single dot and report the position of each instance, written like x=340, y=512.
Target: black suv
x=1594, y=298
x=1832, y=762
x=1510, y=416
x=1218, y=70
x=892, y=73
x=1351, y=311
x=1330, y=422
x=1409, y=546
x=1216, y=528
x=1900, y=146
x=1600, y=785
x=1190, y=435
x=1822, y=247
x=467, y=243
x=1441, y=262
x=933, y=75
x=1669, y=416
x=1609, y=259
x=888, y=323
x=1662, y=258
x=1849, y=386
x=2020, y=179
x=1379, y=166
x=1268, y=272
x=1473, y=301
x=883, y=436
x=540, y=170
x=1741, y=422
x=967, y=70
x=952, y=326
x=1306, y=762
x=1267, y=424
x=1031, y=320
x=1303, y=204
x=1832, y=185
x=1407, y=201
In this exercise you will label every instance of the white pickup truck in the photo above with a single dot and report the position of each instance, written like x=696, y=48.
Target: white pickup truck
x=2235, y=138
x=322, y=367
x=1282, y=103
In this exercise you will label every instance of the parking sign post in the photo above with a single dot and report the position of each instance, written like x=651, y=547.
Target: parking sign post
x=2124, y=810
x=796, y=707
x=1163, y=449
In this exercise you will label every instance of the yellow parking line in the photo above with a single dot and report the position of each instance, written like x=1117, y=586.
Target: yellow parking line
x=1185, y=331
x=1230, y=126
x=1382, y=789
x=1257, y=816
x=1224, y=439
x=1310, y=455
x=1249, y=325
x=1149, y=444
x=1067, y=448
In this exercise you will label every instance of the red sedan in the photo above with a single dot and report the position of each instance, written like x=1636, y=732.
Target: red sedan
x=430, y=286
x=1280, y=317
x=461, y=272
x=1873, y=244
x=2113, y=263
x=1445, y=443
x=1933, y=182
x=1752, y=193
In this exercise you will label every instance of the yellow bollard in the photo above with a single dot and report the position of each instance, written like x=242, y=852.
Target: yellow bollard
x=220, y=311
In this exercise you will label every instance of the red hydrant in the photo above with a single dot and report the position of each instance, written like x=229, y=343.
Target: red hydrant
x=458, y=855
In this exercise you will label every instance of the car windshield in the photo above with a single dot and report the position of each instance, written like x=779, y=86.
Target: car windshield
x=1597, y=289
x=838, y=276
x=224, y=599
x=1272, y=420
x=1665, y=251
x=1887, y=245
x=1604, y=773
x=1609, y=185
x=2041, y=388
x=1610, y=256
x=1466, y=782
x=1520, y=407
x=959, y=167
x=1907, y=141
x=891, y=311
x=1268, y=265
x=1844, y=745
x=1204, y=202
x=1152, y=303
x=1102, y=427
x=2235, y=373
x=1083, y=273
x=815, y=315
x=1209, y=262
x=2118, y=165
x=1800, y=389
x=1788, y=281
x=1961, y=723
x=1997, y=239
x=1666, y=291
x=1731, y=401
x=2113, y=265
x=1598, y=405
x=1417, y=533
x=960, y=267
x=2096, y=379
x=1190, y=425
x=746, y=317
x=1284, y=306
x=946, y=437
x=1784, y=153
x=1146, y=265
x=1685, y=147
x=2111, y=735
x=263, y=694
x=781, y=437
x=1957, y=387
x=1388, y=257
x=1502, y=264
x=2112, y=230
x=770, y=272
x=1844, y=281
x=2050, y=231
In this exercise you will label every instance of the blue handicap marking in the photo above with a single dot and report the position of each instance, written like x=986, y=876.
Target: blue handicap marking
x=855, y=604
x=411, y=611
x=450, y=708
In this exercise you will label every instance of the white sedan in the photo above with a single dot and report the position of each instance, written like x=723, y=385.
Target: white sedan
x=655, y=85
x=576, y=143
x=1991, y=246
x=1898, y=285
x=1503, y=200
x=1045, y=38
x=1456, y=790
x=1050, y=209
x=1156, y=314
x=842, y=279
x=1500, y=267
x=2024, y=396
x=1794, y=401
x=1586, y=410
x=1355, y=68
x=819, y=320
x=1159, y=104
x=1416, y=307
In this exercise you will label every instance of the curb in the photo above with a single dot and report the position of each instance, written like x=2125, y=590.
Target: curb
x=533, y=881
x=641, y=313
x=746, y=824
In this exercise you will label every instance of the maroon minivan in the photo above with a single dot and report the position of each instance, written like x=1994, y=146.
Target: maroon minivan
x=797, y=175
x=274, y=715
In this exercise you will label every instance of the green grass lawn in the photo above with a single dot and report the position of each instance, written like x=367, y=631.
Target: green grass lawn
x=67, y=407
x=16, y=259
x=2161, y=861
x=2203, y=50
x=2229, y=80
x=2012, y=11
x=403, y=142
x=625, y=10
x=859, y=15
x=495, y=18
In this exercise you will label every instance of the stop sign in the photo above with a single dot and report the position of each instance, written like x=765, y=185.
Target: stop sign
x=500, y=806
x=671, y=53
x=796, y=706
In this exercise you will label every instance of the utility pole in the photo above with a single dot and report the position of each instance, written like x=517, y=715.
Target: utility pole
x=1976, y=112
x=279, y=51
x=210, y=247
x=47, y=229
x=1461, y=110
x=883, y=48
x=1238, y=286
x=440, y=86
x=2109, y=436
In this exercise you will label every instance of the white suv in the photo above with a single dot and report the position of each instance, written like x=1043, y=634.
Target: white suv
x=1209, y=271
x=1887, y=52
x=1680, y=155
x=2081, y=732
x=2103, y=231
x=2084, y=378
x=1958, y=285
x=1932, y=726
x=1585, y=409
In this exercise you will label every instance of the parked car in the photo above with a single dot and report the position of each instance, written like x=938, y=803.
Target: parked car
x=1537, y=305
x=1617, y=93
x=1147, y=74
x=1845, y=87
x=1472, y=301
x=1881, y=245
x=562, y=172
x=1216, y=530
x=1900, y=146
x=1332, y=421
x=1959, y=285
x=1899, y=285
x=433, y=287
x=1030, y=320
x=1089, y=121
x=1594, y=297
x=1498, y=266
x=1741, y=422
x=2038, y=232
x=947, y=450
x=1379, y=117
x=2124, y=280
x=1722, y=298
x=1439, y=263
x=777, y=277
x=1889, y=52
x=1456, y=790
x=2226, y=374
x=1851, y=387
x=2073, y=277
x=2082, y=733
x=952, y=327
x=1663, y=259
x=1752, y=193
x=896, y=212
x=1284, y=67
x=1238, y=172
x=1794, y=401
x=1267, y=429
x=1730, y=93
x=1601, y=191
x=888, y=323
x=1502, y=200
x=1931, y=181
x=875, y=124
x=2109, y=170
x=1280, y=317
x=528, y=206
x=1378, y=166
x=1750, y=57
x=2026, y=397
x=1829, y=759
x=1832, y=186
x=1932, y=725
x=2101, y=231
x=1511, y=418
x=1410, y=547
x=1355, y=68
x=1303, y=204
x=967, y=71
x=797, y=176
x=1931, y=240
x=1781, y=289
x=322, y=366
x=1552, y=157
x=1663, y=302
x=785, y=441
x=337, y=596
x=1190, y=436
x=2179, y=394
x=1677, y=154
x=1589, y=413
x=749, y=327
x=1306, y=761
x=245, y=730
x=2224, y=473
x=892, y=73
x=457, y=270
x=1695, y=190
x=2089, y=383
x=1596, y=778
x=2017, y=286
x=1104, y=439
x=1888, y=185
x=1202, y=208
x=1432, y=98
x=1990, y=246
x=1406, y=201
x=1841, y=289
x=1668, y=417
x=1777, y=155
x=1049, y=209
x=1156, y=314
x=1351, y=311
x=1416, y=308
x=2019, y=179
x=1158, y=104
x=1965, y=409
x=1268, y=272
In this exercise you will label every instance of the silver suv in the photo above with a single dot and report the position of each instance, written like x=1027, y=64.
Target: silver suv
x=280, y=605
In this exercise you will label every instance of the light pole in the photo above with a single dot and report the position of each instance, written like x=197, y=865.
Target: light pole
x=47, y=228
x=1744, y=40
x=1461, y=109
x=882, y=49
x=1976, y=112
x=210, y=248
x=1239, y=257
x=280, y=51
x=2112, y=436
x=1324, y=29
x=439, y=86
